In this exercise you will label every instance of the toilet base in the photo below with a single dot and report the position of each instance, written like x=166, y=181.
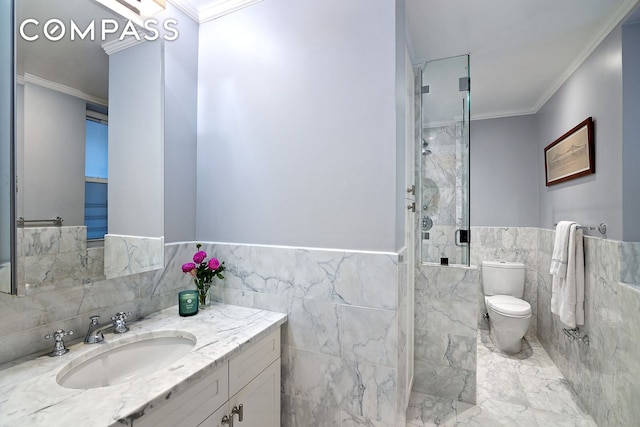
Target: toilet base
x=509, y=346
x=506, y=332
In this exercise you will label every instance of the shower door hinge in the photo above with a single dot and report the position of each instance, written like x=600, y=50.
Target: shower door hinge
x=412, y=190
x=412, y=207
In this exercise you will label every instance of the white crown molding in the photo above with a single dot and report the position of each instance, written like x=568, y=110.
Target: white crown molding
x=614, y=19
x=500, y=114
x=30, y=78
x=223, y=7
x=115, y=46
x=186, y=7
x=212, y=10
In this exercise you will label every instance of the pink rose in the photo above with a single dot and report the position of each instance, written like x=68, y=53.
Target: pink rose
x=188, y=267
x=214, y=264
x=199, y=257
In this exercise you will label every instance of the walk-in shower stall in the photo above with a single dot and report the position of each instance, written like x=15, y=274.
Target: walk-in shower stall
x=443, y=162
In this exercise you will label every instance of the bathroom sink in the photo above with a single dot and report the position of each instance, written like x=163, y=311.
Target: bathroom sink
x=126, y=359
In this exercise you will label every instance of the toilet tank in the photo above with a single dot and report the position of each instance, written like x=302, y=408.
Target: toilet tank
x=503, y=278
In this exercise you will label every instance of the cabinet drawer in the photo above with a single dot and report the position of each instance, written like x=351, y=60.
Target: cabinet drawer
x=250, y=362
x=193, y=405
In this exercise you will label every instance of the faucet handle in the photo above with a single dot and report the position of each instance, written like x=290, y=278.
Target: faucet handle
x=59, y=348
x=120, y=322
x=94, y=319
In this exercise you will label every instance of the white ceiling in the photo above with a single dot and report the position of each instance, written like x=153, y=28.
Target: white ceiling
x=521, y=51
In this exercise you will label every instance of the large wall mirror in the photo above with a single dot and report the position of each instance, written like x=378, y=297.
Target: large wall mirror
x=7, y=227
x=89, y=147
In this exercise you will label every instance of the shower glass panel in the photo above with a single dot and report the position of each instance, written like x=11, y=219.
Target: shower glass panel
x=443, y=162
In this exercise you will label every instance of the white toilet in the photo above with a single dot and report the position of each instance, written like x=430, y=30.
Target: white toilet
x=509, y=314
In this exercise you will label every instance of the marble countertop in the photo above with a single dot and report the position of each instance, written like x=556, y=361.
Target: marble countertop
x=30, y=395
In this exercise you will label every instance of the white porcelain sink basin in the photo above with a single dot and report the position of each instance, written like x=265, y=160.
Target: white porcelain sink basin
x=126, y=359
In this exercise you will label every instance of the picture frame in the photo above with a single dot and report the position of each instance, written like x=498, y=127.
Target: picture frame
x=572, y=155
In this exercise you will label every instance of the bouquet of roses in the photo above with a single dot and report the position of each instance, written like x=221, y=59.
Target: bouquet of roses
x=203, y=272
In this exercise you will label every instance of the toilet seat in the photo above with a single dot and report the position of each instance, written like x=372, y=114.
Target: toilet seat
x=509, y=306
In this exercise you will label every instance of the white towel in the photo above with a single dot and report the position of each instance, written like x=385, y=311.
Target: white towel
x=567, y=268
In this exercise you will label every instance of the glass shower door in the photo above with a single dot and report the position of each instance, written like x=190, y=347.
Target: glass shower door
x=443, y=160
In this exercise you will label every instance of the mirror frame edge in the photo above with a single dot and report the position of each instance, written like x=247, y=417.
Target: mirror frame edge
x=13, y=153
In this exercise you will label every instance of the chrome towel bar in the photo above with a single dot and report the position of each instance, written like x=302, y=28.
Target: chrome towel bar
x=57, y=221
x=602, y=228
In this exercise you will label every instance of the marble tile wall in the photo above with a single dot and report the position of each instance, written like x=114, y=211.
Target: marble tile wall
x=441, y=177
x=604, y=373
x=446, y=305
x=511, y=244
x=125, y=255
x=25, y=320
x=342, y=350
x=55, y=256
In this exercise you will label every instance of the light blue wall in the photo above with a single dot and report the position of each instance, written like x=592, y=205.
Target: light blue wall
x=54, y=147
x=297, y=125
x=401, y=124
x=180, y=127
x=136, y=135
x=504, y=172
x=631, y=131
x=594, y=89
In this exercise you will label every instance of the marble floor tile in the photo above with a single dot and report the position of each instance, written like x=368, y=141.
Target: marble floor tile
x=521, y=390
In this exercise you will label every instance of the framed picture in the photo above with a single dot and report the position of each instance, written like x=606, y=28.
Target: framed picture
x=572, y=155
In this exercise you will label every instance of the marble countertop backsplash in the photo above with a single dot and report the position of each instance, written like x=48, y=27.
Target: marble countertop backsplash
x=30, y=395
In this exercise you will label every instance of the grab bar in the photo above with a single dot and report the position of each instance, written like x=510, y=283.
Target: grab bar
x=57, y=221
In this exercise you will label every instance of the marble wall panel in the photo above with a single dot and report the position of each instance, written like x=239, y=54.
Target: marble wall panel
x=442, y=174
x=446, y=305
x=125, y=255
x=342, y=338
x=510, y=244
x=630, y=262
x=54, y=257
x=602, y=373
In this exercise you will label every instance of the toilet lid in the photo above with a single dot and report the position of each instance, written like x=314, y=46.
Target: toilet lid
x=508, y=305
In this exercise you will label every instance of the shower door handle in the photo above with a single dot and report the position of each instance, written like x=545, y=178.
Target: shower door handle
x=461, y=237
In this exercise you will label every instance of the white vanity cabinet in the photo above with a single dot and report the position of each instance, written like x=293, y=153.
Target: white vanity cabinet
x=248, y=382
x=258, y=402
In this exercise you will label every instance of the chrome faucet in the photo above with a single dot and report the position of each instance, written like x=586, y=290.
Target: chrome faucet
x=118, y=323
x=94, y=334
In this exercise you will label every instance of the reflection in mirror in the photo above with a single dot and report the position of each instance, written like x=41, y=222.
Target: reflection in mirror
x=94, y=163
x=7, y=223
